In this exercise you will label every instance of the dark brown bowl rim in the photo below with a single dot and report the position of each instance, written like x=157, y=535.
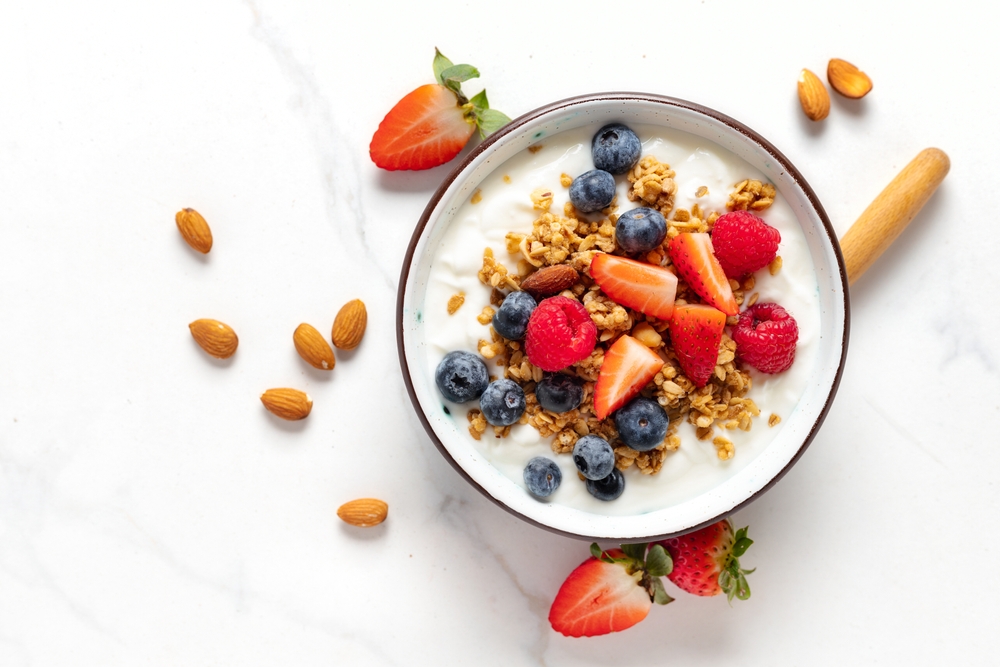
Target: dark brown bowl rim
x=794, y=173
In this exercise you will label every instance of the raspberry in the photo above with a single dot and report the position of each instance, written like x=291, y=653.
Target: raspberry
x=765, y=337
x=744, y=243
x=560, y=333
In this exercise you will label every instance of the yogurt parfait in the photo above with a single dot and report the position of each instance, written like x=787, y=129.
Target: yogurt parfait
x=620, y=319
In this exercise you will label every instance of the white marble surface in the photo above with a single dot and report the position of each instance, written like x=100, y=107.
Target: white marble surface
x=151, y=512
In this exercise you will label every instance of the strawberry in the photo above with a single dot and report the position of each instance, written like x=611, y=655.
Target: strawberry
x=640, y=286
x=706, y=562
x=696, y=331
x=432, y=124
x=694, y=258
x=744, y=243
x=610, y=591
x=628, y=367
x=559, y=334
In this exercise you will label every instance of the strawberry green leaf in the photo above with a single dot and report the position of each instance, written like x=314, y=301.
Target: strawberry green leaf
x=742, y=588
x=658, y=561
x=596, y=551
x=441, y=63
x=491, y=120
x=479, y=101
x=660, y=595
x=636, y=551
x=741, y=546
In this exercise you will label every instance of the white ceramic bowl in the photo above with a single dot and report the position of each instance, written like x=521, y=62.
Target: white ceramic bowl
x=595, y=111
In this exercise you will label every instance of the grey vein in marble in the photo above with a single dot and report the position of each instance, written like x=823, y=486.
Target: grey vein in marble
x=338, y=169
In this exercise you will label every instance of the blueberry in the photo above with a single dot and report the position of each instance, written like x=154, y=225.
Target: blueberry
x=615, y=148
x=640, y=230
x=559, y=392
x=592, y=191
x=503, y=402
x=461, y=376
x=593, y=457
x=608, y=488
x=542, y=476
x=642, y=424
x=511, y=320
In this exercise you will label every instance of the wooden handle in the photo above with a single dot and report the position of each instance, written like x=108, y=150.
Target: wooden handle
x=892, y=210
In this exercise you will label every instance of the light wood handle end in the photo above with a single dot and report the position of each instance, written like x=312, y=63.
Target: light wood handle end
x=892, y=210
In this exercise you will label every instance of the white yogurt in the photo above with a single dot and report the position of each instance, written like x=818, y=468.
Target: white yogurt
x=505, y=206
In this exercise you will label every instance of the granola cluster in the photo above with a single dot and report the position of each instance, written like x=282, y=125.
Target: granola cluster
x=721, y=405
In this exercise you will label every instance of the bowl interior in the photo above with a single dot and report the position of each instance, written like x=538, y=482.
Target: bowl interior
x=797, y=429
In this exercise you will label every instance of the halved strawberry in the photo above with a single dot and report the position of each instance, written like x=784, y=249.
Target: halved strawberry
x=425, y=129
x=648, y=288
x=432, y=124
x=610, y=591
x=696, y=331
x=628, y=367
x=695, y=261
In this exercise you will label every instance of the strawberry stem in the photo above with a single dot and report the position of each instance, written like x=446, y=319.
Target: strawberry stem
x=477, y=111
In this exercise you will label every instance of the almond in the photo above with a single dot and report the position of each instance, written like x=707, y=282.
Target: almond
x=349, y=325
x=216, y=338
x=550, y=280
x=813, y=96
x=290, y=404
x=312, y=347
x=364, y=512
x=847, y=79
x=194, y=229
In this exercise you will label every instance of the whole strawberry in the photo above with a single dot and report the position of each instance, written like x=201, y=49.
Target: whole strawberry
x=765, y=337
x=744, y=243
x=432, y=124
x=706, y=561
x=610, y=591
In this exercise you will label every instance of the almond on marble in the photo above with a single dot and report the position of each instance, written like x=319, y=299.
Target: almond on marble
x=364, y=512
x=290, y=404
x=349, y=325
x=194, y=229
x=813, y=96
x=847, y=79
x=217, y=339
x=312, y=346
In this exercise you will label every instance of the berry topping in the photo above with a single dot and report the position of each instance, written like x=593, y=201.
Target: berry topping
x=640, y=230
x=461, y=376
x=706, y=562
x=765, y=337
x=592, y=191
x=744, y=243
x=560, y=333
x=615, y=148
x=542, y=476
x=637, y=285
x=642, y=424
x=593, y=457
x=696, y=331
x=559, y=393
x=610, y=591
x=607, y=488
x=503, y=402
x=693, y=256
x=511, y=319
x=432, y=124
x=628, y=367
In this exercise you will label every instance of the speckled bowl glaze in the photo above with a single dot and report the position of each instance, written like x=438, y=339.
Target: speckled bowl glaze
x=596, y=110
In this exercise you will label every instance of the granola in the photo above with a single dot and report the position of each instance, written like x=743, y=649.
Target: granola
x=719, y=406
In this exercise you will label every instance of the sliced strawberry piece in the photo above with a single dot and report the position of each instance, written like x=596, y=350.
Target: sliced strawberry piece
x=598, y=598
x=628, y=367
x=696, y=331
x=640, y=286
x=425, y=129
x=695, y=261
